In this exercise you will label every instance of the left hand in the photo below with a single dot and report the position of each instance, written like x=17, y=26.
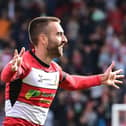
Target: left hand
x=111, y=77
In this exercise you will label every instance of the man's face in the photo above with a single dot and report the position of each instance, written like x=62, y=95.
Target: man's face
x=56, y=39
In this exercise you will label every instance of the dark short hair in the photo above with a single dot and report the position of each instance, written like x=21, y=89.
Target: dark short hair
x=39, y=25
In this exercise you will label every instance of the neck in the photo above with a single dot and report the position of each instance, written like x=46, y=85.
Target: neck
x=43, y=55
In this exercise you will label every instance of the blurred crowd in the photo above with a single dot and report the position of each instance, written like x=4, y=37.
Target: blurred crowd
x=96, y=31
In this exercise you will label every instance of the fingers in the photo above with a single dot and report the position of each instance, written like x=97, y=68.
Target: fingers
x=118, y=82
x=15, y=52
x=16, y=61
x=118, y=71
x=120, y=76
x=114, y=85
x=112, y=65
x=115, y=77
x=14, y=65
x=109, y=69
x=17, y=56
x=22, y=51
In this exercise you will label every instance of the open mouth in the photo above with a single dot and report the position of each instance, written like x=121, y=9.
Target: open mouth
x=62, y=45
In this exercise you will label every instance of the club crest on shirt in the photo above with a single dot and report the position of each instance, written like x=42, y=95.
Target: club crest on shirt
x=41, y=78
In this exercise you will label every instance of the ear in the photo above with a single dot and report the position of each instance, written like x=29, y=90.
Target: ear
x=43, y=39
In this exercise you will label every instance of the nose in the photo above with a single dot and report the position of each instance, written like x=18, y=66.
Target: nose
x=64, y=39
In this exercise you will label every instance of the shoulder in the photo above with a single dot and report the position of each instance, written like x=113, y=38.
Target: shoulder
x=59, y=68
x=27, y=57
x=26, y=54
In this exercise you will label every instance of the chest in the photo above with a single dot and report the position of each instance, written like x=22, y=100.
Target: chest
x=42, y=79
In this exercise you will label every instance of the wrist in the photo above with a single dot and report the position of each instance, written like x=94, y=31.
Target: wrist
x=102, y=78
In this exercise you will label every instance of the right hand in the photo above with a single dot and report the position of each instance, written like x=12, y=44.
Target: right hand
x=17, y=59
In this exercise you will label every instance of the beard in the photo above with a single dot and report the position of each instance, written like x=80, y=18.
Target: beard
x=55, y=48
x=56, y=51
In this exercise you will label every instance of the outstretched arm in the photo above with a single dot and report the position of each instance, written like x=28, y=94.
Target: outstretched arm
x=13, y=66
x=109, y=77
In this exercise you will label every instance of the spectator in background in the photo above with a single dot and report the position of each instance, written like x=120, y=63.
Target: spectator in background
x=88, y=116
x=5, y=24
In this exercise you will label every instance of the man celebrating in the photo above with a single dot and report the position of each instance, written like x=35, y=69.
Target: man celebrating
x=32, y=78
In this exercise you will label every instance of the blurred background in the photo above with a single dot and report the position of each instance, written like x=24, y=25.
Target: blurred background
x=96, y=31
